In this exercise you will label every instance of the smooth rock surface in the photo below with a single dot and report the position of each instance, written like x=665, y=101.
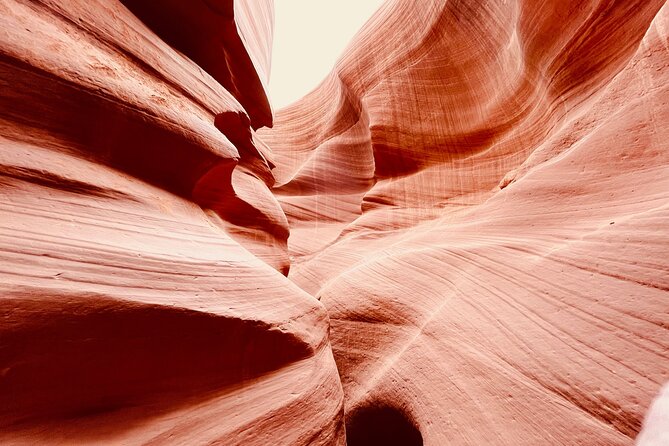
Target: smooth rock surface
x=460, y=238
x=131, y=313
x=479, y=194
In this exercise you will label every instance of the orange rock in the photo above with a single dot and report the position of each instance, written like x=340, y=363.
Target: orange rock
x=130, y=313
x=471, y=212
x=451, y=190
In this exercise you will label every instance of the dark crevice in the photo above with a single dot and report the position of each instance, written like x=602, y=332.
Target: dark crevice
x=87, y=355
x=381, y=425
x=206, y=33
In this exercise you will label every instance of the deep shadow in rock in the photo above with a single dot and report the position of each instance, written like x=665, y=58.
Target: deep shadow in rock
x=381, y=425
x=73, y=356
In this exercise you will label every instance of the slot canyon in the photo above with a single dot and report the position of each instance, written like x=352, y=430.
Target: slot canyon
x=459, y=237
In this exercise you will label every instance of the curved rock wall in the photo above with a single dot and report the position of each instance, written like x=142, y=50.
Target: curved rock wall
x=129, y=176
x=478, y=194
x=471, y=212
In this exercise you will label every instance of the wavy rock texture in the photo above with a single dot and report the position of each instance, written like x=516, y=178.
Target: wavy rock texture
x=479, y=194
x=129, y=181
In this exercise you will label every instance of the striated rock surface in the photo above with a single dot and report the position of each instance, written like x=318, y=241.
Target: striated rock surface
x=472, y=212
x=479, y=195
x=130, y=186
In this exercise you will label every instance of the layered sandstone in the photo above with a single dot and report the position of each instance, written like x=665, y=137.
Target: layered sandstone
x=132, y=194
x=479, y=196
x=471, y=211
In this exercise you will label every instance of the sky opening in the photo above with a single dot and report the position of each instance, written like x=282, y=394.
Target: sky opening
x=309, y=37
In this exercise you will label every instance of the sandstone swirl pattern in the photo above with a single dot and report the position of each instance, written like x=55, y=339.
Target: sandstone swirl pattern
x=461, y=237
x=131, y=314
x=479, y=194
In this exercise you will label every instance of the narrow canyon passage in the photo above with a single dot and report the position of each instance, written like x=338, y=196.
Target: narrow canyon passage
x=460, y=237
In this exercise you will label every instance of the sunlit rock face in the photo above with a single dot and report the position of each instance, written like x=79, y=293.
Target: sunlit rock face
x=479, y=195
x=459, y=238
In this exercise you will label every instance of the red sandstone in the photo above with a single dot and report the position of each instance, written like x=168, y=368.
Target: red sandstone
x=460, y=237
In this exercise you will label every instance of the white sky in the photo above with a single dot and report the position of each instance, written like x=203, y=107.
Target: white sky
x=309, y=36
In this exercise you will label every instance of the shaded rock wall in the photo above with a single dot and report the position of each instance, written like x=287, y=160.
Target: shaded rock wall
x=471, y=211
x=131, y=192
